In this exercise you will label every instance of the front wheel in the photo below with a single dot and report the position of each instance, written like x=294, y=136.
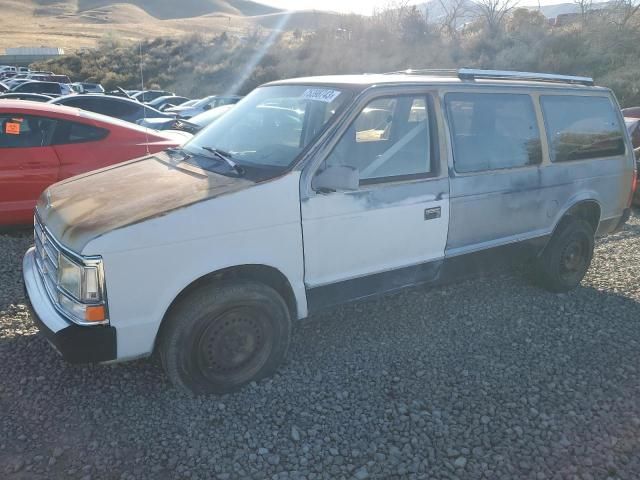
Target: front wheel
x=566, y=258
x=223, y=336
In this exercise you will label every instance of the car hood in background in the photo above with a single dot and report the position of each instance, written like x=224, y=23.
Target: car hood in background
x=184, y=111
x=159, y=123
x=177, y=136
x=88, y=206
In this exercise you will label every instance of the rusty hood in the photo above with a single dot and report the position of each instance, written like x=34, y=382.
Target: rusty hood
x=85, y=207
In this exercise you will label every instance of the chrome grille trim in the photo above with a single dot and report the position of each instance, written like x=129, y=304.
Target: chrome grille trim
x=47, y=259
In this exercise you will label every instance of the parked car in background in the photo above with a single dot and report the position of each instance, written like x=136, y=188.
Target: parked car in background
x=34, y=97
x=203, y=105
x=117, y=107
x=149, y=95
x=168, y=101
x=631, y=112
x=190, y=102
x=46, y=88
x=13, y=82
x=204, y=119
x=633, y=127
x=299, y=199
x=3, y=87
x=41, y=144
x=85, y=87
x=193, y=125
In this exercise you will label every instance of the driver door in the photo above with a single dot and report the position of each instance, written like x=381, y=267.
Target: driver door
x=390, y=232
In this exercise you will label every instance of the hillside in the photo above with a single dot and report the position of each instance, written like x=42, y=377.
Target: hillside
x=166, y=10
x=78, y=24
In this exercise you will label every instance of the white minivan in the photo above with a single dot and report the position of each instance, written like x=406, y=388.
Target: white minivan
x=317, y=191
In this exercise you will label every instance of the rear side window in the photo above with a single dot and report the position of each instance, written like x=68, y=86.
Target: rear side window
x=581, y=127
x=493, y=131
x=120, y=109
x=25, y=131
x=73, y=132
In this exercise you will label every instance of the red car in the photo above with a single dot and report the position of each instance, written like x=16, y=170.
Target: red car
x=41, y=144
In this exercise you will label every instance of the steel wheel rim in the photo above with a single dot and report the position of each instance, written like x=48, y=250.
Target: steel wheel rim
x=573, y=259
x=234, y=345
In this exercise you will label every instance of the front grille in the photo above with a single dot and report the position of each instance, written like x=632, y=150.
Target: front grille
x=47, y=259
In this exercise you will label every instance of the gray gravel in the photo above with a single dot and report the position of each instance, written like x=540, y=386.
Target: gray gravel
x=490, y=378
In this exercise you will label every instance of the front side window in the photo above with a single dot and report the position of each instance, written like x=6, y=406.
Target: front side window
x=25, y=131
x=269, y=128
x=581, y=127
x=493, y=131
x=389, y=140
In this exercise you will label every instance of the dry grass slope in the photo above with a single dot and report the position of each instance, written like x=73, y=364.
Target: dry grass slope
x=167, y=10
x=77, y=24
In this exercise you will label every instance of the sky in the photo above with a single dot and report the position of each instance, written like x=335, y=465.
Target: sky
x=364, y=7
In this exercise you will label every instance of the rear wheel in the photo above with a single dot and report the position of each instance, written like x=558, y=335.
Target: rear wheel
x=566, y=258
x=223, y=336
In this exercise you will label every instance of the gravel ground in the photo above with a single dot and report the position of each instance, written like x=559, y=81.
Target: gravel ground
x=490, y=378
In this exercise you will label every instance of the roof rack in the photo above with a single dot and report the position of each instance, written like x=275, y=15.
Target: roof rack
x=474, y=74
x=447, y=72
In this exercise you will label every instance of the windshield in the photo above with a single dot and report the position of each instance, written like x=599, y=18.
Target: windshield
x=271, y=126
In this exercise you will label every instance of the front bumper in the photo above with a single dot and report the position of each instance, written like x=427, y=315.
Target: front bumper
x=76, y=344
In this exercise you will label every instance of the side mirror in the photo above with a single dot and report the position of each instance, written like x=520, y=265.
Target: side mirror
x=206, y=107
x=336, y=178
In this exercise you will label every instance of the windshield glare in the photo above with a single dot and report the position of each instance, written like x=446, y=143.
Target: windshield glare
x=272, y=125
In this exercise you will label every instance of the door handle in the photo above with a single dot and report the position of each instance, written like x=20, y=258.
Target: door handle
x=431, y=213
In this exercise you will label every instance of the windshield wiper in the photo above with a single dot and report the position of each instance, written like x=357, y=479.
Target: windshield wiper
x=226, y=156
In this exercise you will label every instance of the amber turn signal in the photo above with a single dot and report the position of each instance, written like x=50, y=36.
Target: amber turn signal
x=95, y=314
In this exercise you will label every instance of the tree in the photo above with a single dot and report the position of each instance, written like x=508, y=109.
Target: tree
x=625, y=11
x=584, y=7
x=524, y=20
x=453, y=13
x=494, y=12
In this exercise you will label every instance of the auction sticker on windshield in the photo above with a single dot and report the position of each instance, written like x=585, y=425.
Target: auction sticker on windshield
x=321, y=94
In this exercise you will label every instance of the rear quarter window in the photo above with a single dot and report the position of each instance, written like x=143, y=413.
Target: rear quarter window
x=582, y=127
x=74, y=132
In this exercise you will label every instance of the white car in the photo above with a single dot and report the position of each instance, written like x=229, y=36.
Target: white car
x=203, y=105
x=314, y=192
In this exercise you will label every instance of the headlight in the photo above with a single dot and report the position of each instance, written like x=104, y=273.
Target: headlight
x=80, y=292
x=70, y=277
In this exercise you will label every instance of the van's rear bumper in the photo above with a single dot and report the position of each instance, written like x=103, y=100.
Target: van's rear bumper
x=75, y=343
x=623, y=219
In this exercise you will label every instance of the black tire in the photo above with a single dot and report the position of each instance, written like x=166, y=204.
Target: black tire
x=566, y=258
x=222, y=336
